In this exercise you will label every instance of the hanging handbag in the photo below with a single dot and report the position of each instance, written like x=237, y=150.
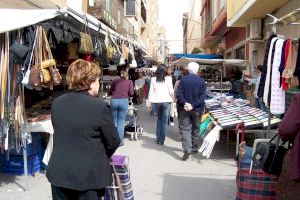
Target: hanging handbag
x=86, y=43
x=56, y=77
x=20, y=50
x=50, y=63
x=25, y=80
x=133, y=63
x=100, y=50
x=109, y=48
x=35, y=78
x=269, y=156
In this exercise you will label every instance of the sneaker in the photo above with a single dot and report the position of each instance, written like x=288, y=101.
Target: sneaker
x=172, y=124
x=185, y=156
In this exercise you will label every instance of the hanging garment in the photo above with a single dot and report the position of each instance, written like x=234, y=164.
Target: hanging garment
x=260, y=92
x=268, y=74
x=291, y=63
x=282, y=61
x=287, y=55
x=277, y=104
x=297, y=69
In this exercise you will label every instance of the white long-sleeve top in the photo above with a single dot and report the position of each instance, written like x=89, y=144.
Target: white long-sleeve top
x=161, y=92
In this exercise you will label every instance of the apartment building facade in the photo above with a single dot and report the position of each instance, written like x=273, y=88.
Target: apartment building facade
x=253, y=16
x=191, y=23
x=135, y=19
x=217, y=37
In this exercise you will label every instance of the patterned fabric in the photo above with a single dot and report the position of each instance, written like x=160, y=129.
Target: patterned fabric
x=287, y=189
x=260, y=92
x=268, y=74
x=277, y=104
x=258, y=185
x=121, y=169
x=123, y=172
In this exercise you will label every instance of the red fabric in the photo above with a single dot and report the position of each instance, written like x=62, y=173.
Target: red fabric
x=88, y=57
x=258, y=185
x=287, y=52
x=289, y=129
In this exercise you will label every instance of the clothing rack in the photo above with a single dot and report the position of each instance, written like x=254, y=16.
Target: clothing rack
x=294, y=40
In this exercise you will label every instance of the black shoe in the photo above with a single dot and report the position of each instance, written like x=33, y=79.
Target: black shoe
x=185, y=156
x=194, y=152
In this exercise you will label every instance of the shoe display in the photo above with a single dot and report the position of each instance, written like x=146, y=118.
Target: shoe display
x=185, y=156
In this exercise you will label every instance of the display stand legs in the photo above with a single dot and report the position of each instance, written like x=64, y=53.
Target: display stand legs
x=25, y=164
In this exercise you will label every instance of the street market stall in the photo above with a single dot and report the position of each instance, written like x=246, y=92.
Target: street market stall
x=226, y=112
x=43, y=44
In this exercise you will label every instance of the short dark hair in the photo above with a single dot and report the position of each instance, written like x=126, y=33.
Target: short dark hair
x=259, y=67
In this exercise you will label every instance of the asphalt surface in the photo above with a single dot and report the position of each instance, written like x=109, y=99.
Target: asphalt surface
x=157, y=172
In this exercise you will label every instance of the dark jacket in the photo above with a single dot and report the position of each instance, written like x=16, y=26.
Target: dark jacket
x=289, y=129
x=191, y=89
x=84, y=139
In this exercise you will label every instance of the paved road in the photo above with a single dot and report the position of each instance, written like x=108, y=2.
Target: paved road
x=157, y=172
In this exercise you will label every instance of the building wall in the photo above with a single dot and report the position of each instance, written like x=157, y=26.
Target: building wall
x=77, y=4
x=149, y=35
x=234, y=6
x=193, y=34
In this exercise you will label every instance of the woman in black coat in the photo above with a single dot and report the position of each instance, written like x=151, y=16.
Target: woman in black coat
x=84, y=138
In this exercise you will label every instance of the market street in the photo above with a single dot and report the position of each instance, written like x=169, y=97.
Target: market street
x=157, y=172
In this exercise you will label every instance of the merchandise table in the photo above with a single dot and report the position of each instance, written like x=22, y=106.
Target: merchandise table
x=231, y=112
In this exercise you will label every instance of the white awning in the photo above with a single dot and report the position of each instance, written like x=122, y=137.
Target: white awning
x=226, y=62
x=12, y=19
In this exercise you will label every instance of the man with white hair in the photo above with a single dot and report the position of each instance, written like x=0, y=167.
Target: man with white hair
x=190, y=94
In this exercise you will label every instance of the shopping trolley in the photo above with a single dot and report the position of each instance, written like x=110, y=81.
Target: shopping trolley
x=132, y=122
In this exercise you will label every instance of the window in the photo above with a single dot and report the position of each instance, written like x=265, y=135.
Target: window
x=131, y=7
x=240, y=53
x=228, y=55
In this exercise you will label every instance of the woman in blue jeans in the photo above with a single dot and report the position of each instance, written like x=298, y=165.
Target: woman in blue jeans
x=161, y=95
x=121, y=90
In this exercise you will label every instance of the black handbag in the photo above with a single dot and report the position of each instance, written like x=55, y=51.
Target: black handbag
x=20, y=51
x=100, y=50
x=269, y=156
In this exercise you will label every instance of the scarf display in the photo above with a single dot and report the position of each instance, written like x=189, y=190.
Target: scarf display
x=277, y=100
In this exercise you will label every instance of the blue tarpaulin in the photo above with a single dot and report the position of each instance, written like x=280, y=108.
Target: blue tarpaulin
x=199, y=56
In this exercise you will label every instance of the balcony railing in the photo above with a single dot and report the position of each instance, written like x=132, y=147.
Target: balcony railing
x=112, y=13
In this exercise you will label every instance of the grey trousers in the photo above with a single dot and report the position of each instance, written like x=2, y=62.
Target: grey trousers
x=189, y=124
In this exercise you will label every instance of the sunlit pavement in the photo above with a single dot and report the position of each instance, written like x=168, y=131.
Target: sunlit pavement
x=157, y=172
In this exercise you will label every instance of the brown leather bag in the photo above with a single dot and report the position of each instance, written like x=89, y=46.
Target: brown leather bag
x=56, y=77
x=53, y=71
x=35, y=78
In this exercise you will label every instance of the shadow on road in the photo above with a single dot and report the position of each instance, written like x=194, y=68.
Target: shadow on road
x=6, y=179
x=198, y=186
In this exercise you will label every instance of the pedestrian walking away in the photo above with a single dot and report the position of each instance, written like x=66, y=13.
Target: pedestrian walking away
x=190, y=95
x=161, y=94
x=84, y=138
x=121, y=90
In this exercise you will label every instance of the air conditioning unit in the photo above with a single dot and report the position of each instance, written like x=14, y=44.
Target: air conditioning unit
x=254, y=29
